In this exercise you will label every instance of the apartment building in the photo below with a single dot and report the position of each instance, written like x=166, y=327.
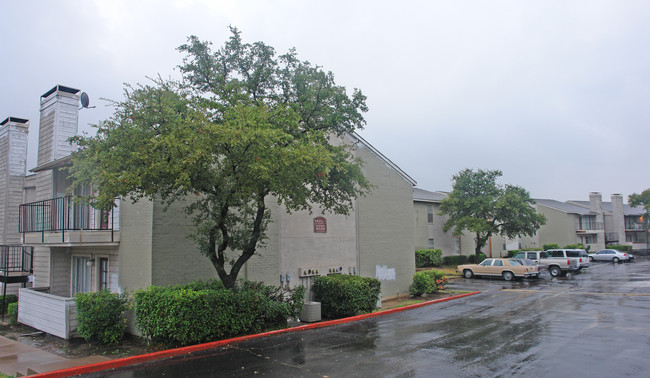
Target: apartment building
x=77, y=248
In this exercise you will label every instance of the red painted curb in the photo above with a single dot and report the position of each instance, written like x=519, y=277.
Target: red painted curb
x=122, y=362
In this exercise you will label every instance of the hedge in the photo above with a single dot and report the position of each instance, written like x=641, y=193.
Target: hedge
x=100, y=316
x=550, y=246
x=472, y=258
x=425, y=258
x=454, y=260
x=203, y=312
x=343, y=295
x=9, y=299
x=13, y=313
x=622, y=248
x=578, y=246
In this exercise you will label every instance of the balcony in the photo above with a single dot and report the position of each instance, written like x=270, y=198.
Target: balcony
x=589, y=227
x=633, y=226
x=63, y=220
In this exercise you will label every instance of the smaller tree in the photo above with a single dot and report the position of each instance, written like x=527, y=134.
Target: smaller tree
x=479, y=205
x=642, y=200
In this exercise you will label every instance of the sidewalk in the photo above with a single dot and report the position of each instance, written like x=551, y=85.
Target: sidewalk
x=17, y=359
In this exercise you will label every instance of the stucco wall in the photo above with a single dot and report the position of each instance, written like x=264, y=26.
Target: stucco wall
x=136, y=221
x=559, y=227
x=175, y=257
x=386, y=227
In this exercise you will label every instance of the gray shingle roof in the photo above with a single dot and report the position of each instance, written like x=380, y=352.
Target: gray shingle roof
x=607, y=207
x=562, y=206
x=427, y=196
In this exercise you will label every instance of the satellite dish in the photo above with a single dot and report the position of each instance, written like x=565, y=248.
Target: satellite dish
x=85, y=101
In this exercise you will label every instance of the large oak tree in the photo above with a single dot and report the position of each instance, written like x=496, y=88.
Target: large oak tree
x=481, y=206
x=243, y=127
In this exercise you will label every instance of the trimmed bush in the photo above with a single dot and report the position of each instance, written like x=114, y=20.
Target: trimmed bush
x=622, y=248
x=422, y=284
x=8, y=300
x=550, y=246
x=454, y=260
x=471, y=259
x=13, y=313
x=577, y=246
x=100, y=316
x=428, y=282
x=425, y=258
x=198, y=313
x=342, y=295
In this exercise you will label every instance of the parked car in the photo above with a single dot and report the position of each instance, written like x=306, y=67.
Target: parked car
x=612, y=255
x=580, y=254
x=528, y=263
x=556, y=266
x=498, y=267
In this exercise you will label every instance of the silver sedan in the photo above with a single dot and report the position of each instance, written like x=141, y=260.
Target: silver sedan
x=612, y=255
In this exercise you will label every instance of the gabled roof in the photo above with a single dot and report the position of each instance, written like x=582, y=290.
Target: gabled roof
x=607, y=207
x=383, y=158
x=59, y=163
x=563, y=206
x=427, y=196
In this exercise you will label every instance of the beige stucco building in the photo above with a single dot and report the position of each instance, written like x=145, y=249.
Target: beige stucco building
x=81, y=249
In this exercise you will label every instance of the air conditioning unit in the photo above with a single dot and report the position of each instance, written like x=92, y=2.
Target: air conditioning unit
x=310, y=312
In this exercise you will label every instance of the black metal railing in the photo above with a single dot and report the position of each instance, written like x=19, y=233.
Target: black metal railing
x=16, y=258
x=63, y=214
x=634, y=226
x=589, y=226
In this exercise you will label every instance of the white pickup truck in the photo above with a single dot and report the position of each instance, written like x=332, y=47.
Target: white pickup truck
x=556, y=266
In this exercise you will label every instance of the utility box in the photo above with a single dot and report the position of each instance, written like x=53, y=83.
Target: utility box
x=310, y=312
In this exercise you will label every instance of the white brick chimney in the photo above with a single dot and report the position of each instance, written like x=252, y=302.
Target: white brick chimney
x=59, y=121
x=13, y=167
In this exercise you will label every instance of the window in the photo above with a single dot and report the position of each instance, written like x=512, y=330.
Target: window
x=103, y=273
x=80, y=274
x=498, y=262
x=591, y=239
x=430, y=213
x=487, y=262
x=431, y=243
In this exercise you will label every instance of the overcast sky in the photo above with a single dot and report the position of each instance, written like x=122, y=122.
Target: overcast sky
x=553, y=93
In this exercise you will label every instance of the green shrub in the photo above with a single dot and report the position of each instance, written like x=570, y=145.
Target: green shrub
x=550, y=246
x=472, y=258
x=342, y=295
x=622, y=248
x=454, y=260
x=13, y=313
x=428, y=282
x=422, y=284
x=428, y=257
x=100, y=316
x=8, y=300
x=197, y=313
x=577, y=246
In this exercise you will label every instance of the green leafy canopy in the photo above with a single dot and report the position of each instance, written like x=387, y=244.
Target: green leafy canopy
x=479, y=205
x=243, y=125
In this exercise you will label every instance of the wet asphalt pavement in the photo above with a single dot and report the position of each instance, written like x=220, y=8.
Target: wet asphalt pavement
x=590, y=324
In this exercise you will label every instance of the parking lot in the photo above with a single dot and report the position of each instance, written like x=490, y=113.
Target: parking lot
x=589, y=324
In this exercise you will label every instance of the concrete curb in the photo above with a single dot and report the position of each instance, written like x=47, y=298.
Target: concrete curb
x=127, y=361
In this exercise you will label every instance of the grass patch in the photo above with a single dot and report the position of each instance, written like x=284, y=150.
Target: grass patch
x=447, y=270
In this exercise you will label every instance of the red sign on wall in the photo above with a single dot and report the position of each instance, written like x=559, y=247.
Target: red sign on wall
x=320, y=225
